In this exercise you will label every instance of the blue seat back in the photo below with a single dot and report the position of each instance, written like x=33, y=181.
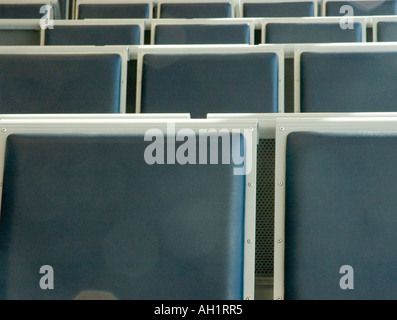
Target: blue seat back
x=278, y=9
x=16, y=37
x=97, y=35
x=109, y=223
x=20, y=11
x=126, y=11
x=210, y=83
x=386, y=31
x=196, y=10
x=340, y=211
x=311, y=33
x=345, y=82
x=60, y=83
x=202, y=34
x=362, y=8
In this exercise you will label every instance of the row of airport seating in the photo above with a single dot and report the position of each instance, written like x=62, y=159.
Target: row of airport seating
x=319, y=194
x=80, y=199
x=86, y=215
x=197, y=79
x=197, y=31
x=332, y=187
x=169, y=71
x=88, y=9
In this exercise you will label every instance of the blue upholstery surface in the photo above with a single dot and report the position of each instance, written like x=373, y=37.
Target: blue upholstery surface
x=210, y=83
x=19, y=37
x=60, y=83
x=94, y=35
x=387, y=31
x=203, y=34
x=348, y=82
x=131, y=11
x=91, y=207
x=311, y=33
x=196, y=10
x=362, y=8
x=341, y=210
x=277, y=10
x=20, y=11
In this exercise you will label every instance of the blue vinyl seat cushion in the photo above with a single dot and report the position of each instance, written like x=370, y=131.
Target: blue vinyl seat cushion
x=348, y=82
x=311, y=33
x=386, y=31
x=340, y=209
x=125, y=11
x=99, y=35
x=362, y=8
x=16, y=37
x=203, y=34
x=278, y=9
x=196, y=10
x=60, y=83
x=210, y=83
x=106, y=221
x=20, y=11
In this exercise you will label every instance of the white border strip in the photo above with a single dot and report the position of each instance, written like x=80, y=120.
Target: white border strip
x=93, y=116
x=20, y=24
x=267, y=121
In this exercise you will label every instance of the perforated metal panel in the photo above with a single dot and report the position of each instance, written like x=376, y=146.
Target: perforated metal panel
x=265, y=208
x=289, y=85
x=369, y=34
x=258, y=36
